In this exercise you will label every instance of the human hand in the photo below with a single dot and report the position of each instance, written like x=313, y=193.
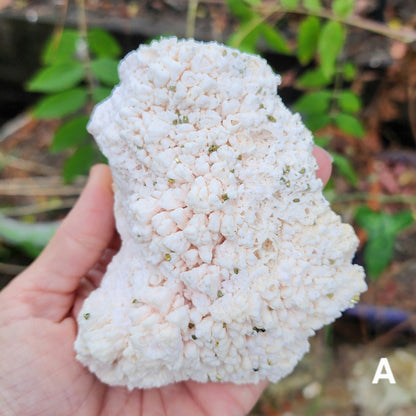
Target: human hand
x=39, y=374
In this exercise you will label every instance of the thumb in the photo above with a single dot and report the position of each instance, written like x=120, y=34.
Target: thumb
x=79, y=241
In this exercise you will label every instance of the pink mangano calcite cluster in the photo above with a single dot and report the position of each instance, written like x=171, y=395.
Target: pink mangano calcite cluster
x=231, y=257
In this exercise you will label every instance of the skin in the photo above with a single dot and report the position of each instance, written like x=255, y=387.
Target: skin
x=39, y=374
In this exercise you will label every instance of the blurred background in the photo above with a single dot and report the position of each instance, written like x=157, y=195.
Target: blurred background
x=349, y=68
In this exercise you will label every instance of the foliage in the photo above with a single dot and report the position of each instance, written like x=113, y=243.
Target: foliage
x=381, y=229
x=77, y=71
x=253, y=28
x=80, y=69
x=327, y=103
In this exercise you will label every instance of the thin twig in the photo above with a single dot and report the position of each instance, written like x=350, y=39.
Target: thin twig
x=14, y=125
x=404, y=35
x=251, y=25
x=33, y=209
x=85, y=56
x=26, y=165
x=365, y=196
x=36, y=186
x=338, y=81
x=389, y=336
x=191, y=18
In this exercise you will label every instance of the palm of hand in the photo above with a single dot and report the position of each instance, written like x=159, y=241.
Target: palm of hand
x=52, y=382
x=39, y=374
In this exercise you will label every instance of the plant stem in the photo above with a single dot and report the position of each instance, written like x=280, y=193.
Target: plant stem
x=61, y=26
x=34, y=186
x=338, y=82
x=365, y=196
x=403, y=35
x=26, y=165
x=85, y=56
x=251, y=25
x=33, y=209
x=191, y=18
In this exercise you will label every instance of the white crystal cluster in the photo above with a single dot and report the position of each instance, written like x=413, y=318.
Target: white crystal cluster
x=231, y=257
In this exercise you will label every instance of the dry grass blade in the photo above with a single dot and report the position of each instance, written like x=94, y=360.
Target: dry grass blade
x=33, y=209
x=36, y=186
x=26, y=165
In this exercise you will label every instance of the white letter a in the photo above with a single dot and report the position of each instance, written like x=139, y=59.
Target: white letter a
x=383, y=365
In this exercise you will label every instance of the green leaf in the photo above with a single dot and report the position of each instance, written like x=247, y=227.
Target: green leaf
x=102, y=44
x=368, y=219
x=312, y=5
x=343, y=8
x=100, y=93
x=381, y=229
x=253, y=2
x=316, y=122
x=57, y=78
x=289, y=4
x=373, y=221
x=79, y=163
x=349, y=102
x=274, y=38
x=308, y=39
x=244, y=44
x=349, y=71
x=349, y=124
x=400, y=221
x=313, y=78
x=377, y=254
x=245, y=38
x=330, y=43
x=70, y=134
x=61, y=46
x=329, y=190
x=314, y=102
x=322, y=141
x=61, y=104
x=102, y=158
x=105, y=69
x=345, y=168
x=239, y=9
